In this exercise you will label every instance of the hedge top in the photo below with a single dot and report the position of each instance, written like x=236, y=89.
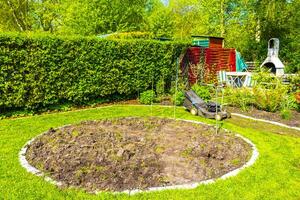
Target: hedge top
x=41, y=70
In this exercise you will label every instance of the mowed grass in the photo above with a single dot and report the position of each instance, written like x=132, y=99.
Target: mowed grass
x=275, y=175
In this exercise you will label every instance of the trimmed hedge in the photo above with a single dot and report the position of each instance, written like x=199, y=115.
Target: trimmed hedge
x=131, y=35
x=38, y=71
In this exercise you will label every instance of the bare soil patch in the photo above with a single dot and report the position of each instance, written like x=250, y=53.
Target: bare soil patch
x=254, y=112
x=136, y=153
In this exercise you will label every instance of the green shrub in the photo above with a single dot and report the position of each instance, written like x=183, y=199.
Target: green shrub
x=289, y=102
x=294, y=82
x=265, y=78
x=286, y=114
x=38, y=71
x=294, y=103
x=269, y=99
x=160, y=87
x=268, y=94
x=178, y=98
x=239, y=97
x=131, y=35
x=202, y=91
x=147, y=97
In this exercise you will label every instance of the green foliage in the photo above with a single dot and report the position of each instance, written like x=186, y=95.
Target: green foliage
x=269, y=99
x=178, y=98
x=268, y=94
x=265, y=78
x=177, y=90
x=161, y=21
x=252, y=22
x=294, y=82
x=15, y=15
x=239, y=97
x=289, y=102
x=147, y=97
x=286, y=114
x=202, y=91
x=86, y=17
x=38, y=71
x=160, y=87
x=131, y=35
x=46, y=15
x=278, y=161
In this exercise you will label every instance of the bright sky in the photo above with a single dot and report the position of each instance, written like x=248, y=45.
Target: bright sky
x=165, y=2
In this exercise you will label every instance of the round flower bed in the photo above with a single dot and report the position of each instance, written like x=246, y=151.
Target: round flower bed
x=136, y=153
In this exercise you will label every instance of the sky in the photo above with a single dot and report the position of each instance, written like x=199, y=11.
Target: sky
x=165, y=2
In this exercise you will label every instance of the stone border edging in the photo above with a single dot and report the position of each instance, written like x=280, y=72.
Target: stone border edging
x=255, y=154
x=266, y=121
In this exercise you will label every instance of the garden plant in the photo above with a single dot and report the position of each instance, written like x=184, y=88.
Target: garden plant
x=92, y=93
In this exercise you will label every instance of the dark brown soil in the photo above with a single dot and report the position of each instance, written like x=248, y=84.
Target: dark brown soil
x=136, y=153
x=253, y=112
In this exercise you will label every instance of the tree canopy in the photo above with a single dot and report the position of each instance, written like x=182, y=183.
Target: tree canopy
x=245, y=24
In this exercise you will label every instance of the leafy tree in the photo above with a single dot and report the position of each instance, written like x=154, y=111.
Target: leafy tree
x=246, y=25
x=186, y=17
x=15, y=15
x=47, y=15
x=161, y=20
x=90, y=17
x=277, y=18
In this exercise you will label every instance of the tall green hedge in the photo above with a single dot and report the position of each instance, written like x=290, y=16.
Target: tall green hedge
x=37, y=71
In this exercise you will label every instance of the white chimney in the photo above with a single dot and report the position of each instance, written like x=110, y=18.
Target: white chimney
x=272, y=61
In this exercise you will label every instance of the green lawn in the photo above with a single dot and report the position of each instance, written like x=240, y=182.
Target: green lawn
x=275, y=175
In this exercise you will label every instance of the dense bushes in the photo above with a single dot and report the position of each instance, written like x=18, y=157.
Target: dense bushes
x=147, y=97
x=178, y=98
x=270, y=100
x=202, y=91
x=37, y=71
x=269, y=94
x=239, y=97
x=130, y=35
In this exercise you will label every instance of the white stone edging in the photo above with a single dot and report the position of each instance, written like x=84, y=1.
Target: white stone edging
x=266, y=121
x=255, y=154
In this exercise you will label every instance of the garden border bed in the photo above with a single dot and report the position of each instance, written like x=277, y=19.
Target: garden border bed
x=24, y=163
x=266, y=121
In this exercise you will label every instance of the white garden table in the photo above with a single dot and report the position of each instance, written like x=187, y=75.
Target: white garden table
x=239, y=79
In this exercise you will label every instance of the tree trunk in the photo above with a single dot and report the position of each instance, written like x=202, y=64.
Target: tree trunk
x=222, y=18
x=257, y=31
x=19, y=22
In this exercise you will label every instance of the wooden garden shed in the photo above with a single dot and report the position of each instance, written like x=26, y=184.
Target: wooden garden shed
x=209, y=51
x=208, y=41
